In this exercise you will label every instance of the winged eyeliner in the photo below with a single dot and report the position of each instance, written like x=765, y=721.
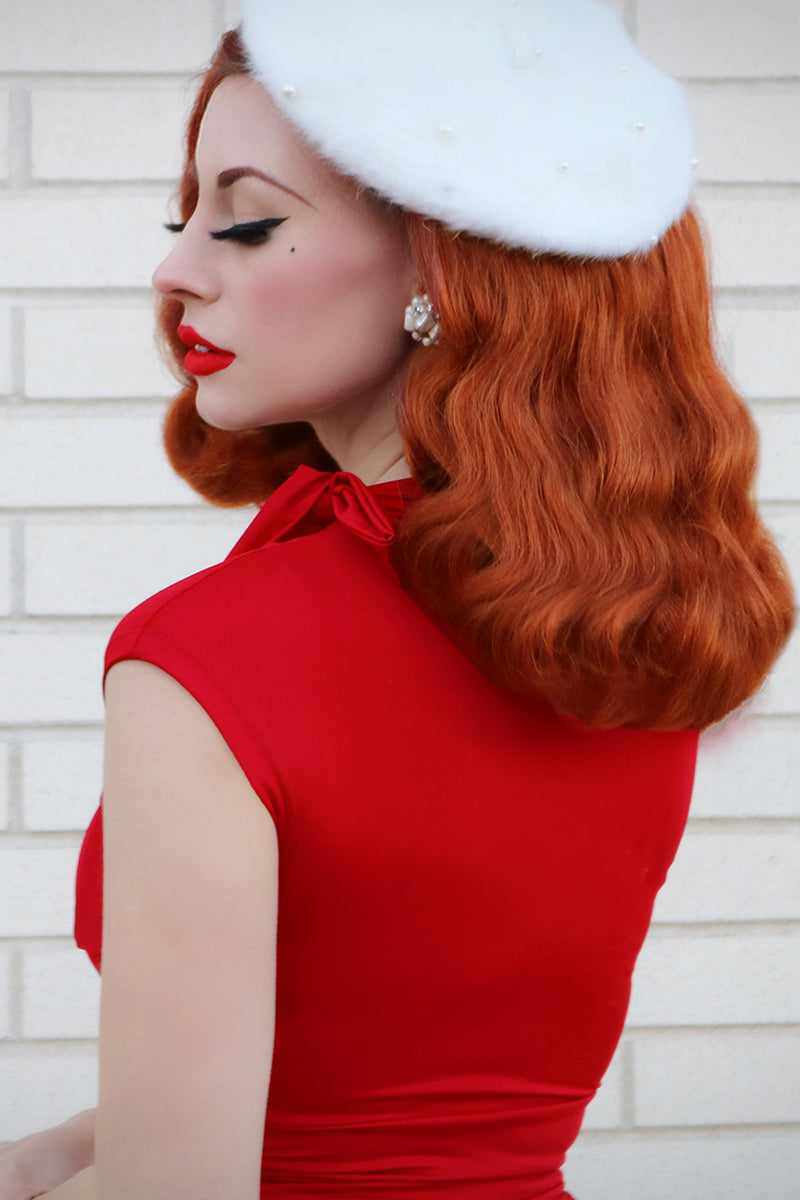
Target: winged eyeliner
x=242, y=231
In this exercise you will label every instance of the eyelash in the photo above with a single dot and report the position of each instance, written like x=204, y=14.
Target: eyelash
x=247, y=233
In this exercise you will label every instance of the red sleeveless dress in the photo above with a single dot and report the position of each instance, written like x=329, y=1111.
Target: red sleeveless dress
x=465, y=878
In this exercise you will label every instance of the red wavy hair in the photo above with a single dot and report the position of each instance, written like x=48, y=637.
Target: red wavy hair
x=588, y=524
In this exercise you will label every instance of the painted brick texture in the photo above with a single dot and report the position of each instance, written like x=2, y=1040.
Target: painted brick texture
x=75, y=134
x=81, y=352
x=4, y=133
x=701, y=1099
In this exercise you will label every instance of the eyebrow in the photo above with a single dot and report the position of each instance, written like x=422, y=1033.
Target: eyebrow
x=226, y=179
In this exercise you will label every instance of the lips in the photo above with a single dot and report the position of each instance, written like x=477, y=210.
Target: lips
x=203, y=358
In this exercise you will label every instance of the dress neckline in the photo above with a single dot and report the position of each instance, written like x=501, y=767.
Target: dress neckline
x=310, y=500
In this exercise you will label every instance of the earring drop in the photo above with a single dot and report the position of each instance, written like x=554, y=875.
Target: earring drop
x=422, y=320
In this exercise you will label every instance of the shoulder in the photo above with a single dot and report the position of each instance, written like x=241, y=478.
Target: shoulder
x=243, y=594
x=159, y=737
x=172, y=780
x=270, y=596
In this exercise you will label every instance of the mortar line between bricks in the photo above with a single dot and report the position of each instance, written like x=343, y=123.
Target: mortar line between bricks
x=97, y=80
x=666, y=1132
x=15, y=1014
x=67, y=188
x=17, y=534
x=20, y=131
x=15, y=811
x=59, y=294
x=785, y=927
x=769, y=298
x=784, y=85
x=57, y=623
x=747, y=824
x=42, y=839
x=86, y=512
x=23, y=1046
x=703, y=1030
x=55, y=941
x=740, y=80
x=627, y=1090
x=133, y=515
x=146, y=406
x=725, y=926
x=90, y=189
x=766, y=189
x=54, y=731
x=17, y=355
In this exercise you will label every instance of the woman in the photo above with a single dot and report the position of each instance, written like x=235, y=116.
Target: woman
x=449, y=682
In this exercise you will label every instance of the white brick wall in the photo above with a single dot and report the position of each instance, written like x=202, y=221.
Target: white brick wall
x=698, y=1077
x=91, y=458
x=747, y=135
x=755, y=239
x=44, y=1082
x=64, y=239
x=61, y=782
x=5, y=766
x=779, y=427
x=69, y=1011
x=77, y=135
x=37, y=884
x=704, y=1164
x=720, y=39
x=107, y=36
x=5, y=350
x=5, y=570
x=717, y=977
x=749, y=767
x=138, y=558
x=701, y=1099
x=5, y=993
x=53, y=677
x=737, y=872
x=762, y=350
x=81, y=352
x=4, y=132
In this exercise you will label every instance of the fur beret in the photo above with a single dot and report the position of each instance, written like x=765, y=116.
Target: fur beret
x=536, y=123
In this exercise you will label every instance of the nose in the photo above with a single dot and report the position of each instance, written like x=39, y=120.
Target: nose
x=185, y=271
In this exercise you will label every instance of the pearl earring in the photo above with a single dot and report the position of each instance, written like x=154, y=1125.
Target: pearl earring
x=422, y=320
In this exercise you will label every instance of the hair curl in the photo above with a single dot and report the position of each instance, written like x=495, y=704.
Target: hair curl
x=587, y=524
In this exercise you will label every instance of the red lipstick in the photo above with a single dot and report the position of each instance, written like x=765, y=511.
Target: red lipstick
x=204, y=358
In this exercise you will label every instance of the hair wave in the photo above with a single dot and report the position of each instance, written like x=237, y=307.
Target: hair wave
x=587, y=526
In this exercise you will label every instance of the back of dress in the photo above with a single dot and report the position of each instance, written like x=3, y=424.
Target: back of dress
x=465, y=878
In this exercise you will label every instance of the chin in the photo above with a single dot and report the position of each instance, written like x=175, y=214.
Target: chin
x=220, y=413
x=238, y=418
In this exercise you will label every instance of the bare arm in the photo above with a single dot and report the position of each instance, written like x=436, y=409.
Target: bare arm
x=190, y=920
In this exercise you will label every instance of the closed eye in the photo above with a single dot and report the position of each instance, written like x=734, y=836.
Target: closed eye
x=249, y=233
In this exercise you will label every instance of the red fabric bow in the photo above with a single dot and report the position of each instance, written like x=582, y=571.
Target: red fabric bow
x=310, y=500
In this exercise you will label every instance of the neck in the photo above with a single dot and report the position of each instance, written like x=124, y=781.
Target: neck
x=365, y=440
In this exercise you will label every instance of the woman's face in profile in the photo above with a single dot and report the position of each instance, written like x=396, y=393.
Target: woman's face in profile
x=294, y=282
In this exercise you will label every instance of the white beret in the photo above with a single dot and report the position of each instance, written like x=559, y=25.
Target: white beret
x=536, y=123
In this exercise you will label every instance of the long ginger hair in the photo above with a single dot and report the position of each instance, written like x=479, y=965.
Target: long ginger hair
x=587, y=525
